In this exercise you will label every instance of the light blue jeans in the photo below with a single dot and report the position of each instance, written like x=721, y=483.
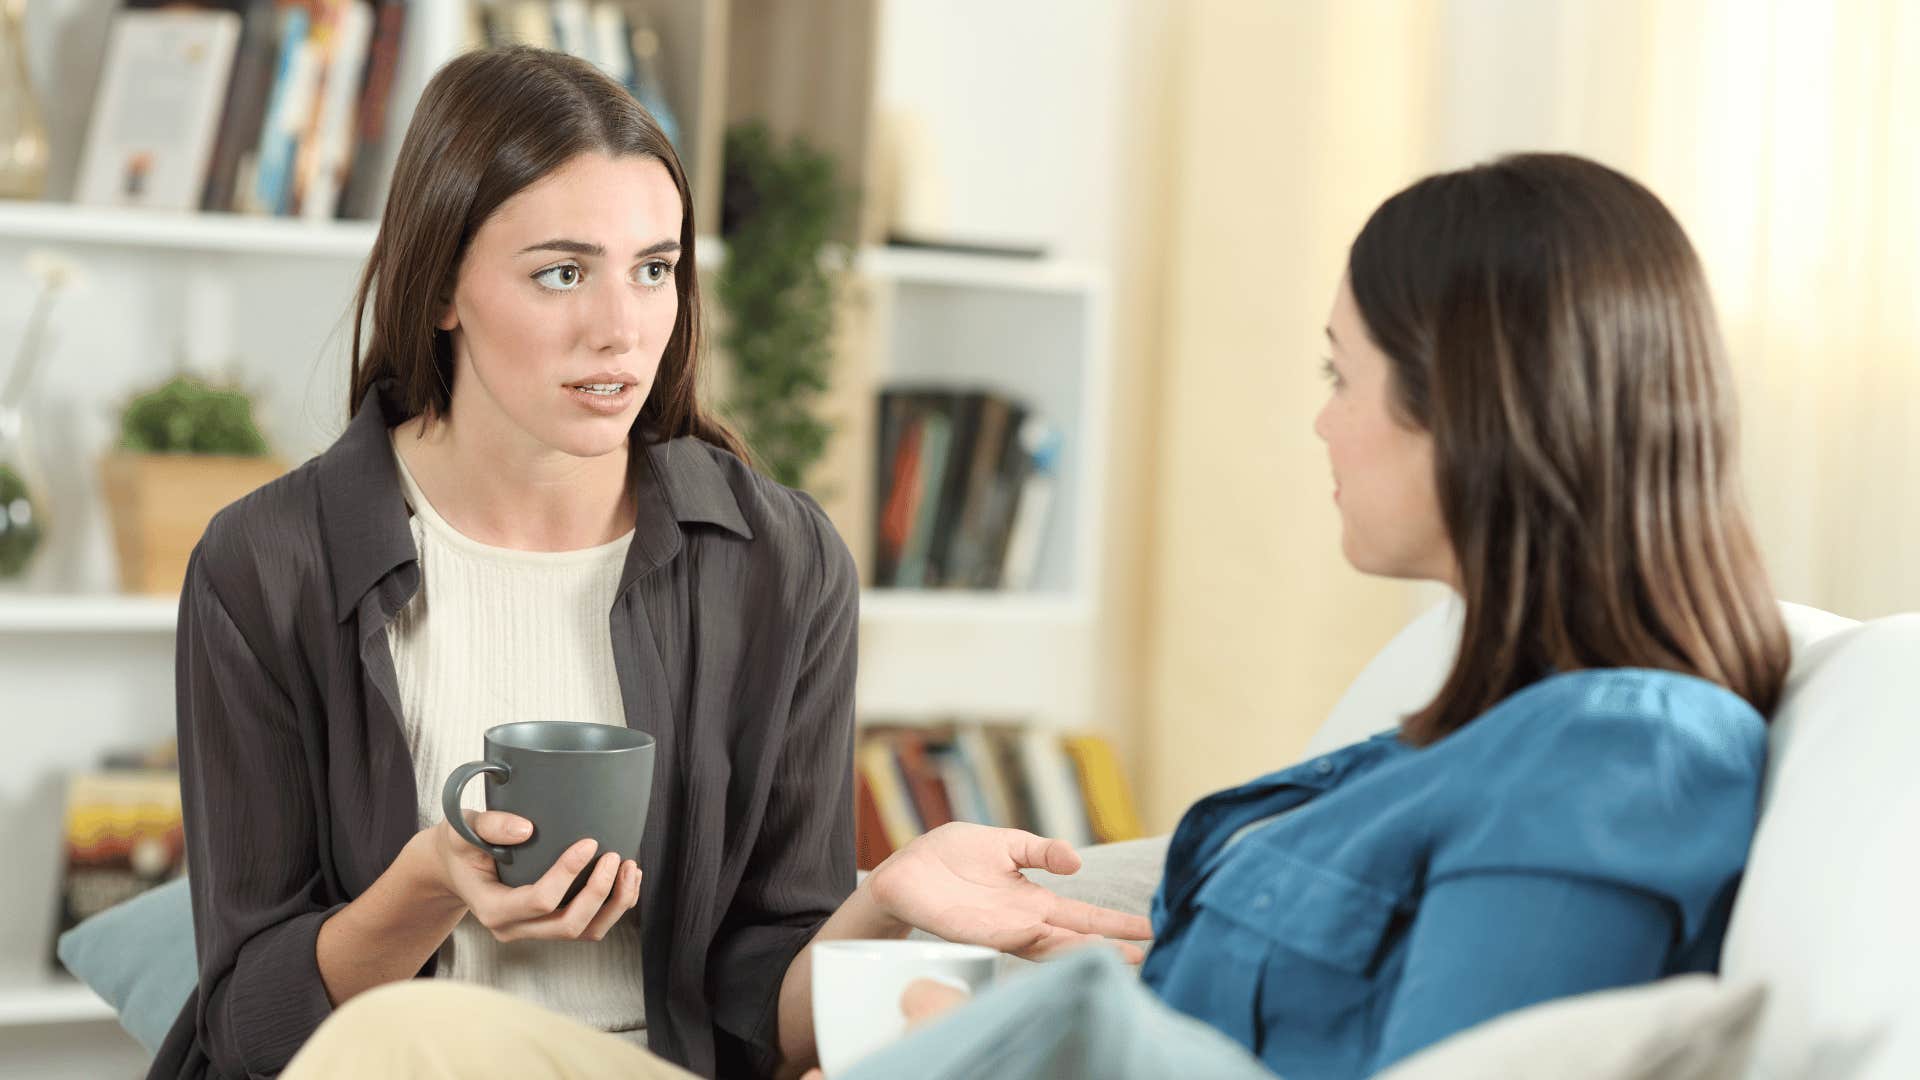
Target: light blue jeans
x=1085, y=1016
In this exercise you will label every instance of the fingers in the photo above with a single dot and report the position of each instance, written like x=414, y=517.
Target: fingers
x=498, y=826
x=1084, y=918
x=926, y=999
x=1040, y=853
x=501, y=909
x=572, y=922
x=1053, y=944
x=626, y=893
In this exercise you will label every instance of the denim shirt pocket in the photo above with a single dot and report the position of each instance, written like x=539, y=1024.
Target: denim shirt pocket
x=1297, y=943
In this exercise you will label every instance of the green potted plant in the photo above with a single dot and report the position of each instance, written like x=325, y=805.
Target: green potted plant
x=186, y=450
x=780, y=207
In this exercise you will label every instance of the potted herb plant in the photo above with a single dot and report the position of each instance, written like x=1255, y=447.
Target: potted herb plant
x=186, y=450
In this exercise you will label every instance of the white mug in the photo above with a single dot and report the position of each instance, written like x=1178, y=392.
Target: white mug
x=857, y=987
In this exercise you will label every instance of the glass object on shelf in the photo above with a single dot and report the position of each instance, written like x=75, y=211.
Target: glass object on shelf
x=23, y=138
x=22, y=506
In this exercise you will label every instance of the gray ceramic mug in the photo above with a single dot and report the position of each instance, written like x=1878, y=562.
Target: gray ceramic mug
x=572, y=780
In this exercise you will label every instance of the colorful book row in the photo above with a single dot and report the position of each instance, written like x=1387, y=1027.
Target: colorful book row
x=909, y=780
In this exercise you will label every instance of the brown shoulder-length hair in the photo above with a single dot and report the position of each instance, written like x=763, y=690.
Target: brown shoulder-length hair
x=1547, y=321
x=489, y=124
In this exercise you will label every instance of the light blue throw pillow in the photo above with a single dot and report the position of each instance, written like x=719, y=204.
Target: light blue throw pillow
x=139, y=956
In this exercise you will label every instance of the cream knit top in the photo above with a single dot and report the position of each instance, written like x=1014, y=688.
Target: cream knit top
x=495, y=636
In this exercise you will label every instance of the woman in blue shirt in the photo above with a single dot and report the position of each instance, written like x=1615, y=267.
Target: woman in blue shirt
x=1529, y=402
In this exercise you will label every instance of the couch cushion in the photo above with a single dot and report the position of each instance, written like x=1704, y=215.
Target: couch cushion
x=1829, y=914
x=1405, y=674
x=1689, y=1027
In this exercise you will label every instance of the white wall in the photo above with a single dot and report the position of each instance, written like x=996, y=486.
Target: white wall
x=1017, y=104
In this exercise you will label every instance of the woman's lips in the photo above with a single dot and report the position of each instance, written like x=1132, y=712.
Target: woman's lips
x=601, y=402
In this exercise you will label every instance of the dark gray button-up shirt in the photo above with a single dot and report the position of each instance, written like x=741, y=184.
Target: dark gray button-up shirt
x=733, y=634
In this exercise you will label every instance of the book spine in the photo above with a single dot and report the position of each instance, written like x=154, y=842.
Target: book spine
x=247, y=91
x=965, y=410
x=937, y=431
x=966, y=560
x=1033, y=508
x=901, y=505
x=333, y=130
x=275, y=147
x=361, y=196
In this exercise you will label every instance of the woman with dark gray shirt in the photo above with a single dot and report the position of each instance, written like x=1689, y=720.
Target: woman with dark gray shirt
x=531, y=516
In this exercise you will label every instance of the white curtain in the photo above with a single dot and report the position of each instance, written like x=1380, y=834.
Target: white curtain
x=1783, y=135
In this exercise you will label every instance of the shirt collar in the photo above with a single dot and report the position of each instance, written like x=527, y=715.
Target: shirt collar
x=363, y=514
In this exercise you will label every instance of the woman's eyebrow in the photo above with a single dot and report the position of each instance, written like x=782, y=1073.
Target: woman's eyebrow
x=582, y=247
x=1330, y=336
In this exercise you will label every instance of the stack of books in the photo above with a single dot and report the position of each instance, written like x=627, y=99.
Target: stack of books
x=965, y=484
x=910, y=779
x=123, y=834
x=605, y=33
x=280, y=107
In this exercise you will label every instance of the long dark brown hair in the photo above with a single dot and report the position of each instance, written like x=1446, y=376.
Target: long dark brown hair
x=1547, y=321
x=489, y=124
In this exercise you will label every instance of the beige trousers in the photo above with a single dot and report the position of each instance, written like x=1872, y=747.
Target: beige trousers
x=442, y=1028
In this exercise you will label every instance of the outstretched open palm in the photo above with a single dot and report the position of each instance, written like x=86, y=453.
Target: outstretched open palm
x=962, y=882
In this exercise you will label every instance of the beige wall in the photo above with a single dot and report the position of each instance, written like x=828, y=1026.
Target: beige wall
x=1292, y=121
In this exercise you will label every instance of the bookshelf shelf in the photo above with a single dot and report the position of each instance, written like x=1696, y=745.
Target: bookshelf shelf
x=47, y=997
x=881, y=610
x=917, y=267
x=51, y=222
x=24, y=613
x=275, y=237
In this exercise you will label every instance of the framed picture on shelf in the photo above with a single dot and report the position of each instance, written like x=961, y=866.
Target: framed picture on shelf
x=162, y=87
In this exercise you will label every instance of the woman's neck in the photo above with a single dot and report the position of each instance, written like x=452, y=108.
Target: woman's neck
x=525, y=498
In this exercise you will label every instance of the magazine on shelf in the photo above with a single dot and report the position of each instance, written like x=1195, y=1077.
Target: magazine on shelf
x=156, y=113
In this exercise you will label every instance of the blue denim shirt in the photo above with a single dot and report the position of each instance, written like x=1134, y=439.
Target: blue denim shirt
x=1587, y=832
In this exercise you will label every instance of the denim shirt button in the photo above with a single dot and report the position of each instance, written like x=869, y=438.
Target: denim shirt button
x=1263, y=901
x=1323, y=766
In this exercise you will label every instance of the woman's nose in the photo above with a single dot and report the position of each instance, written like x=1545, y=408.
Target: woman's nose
x=614, y=320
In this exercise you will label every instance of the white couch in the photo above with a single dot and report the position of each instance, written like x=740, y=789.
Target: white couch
x=1829, y=914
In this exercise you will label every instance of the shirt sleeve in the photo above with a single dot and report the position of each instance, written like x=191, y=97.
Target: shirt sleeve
x=802, y=866
x=1658, y=794
x=252, y=849
x=1487, y=944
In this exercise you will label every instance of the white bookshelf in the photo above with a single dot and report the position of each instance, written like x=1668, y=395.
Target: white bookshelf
x=47, y=997
x=84, y=669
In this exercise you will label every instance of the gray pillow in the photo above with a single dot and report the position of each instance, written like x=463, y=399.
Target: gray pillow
x=1685, y=1027
x=139, y=956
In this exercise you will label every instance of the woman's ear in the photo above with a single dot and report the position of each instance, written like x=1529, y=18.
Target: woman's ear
x=449, y=318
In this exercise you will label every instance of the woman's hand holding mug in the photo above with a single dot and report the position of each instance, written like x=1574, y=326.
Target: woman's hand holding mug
x=531, y=911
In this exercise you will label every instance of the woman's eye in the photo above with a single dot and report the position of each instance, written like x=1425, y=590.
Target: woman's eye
x=656, y=273
x=1329, y=372
x=547, y=277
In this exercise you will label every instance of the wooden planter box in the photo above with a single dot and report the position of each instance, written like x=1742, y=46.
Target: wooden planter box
x=160, y=504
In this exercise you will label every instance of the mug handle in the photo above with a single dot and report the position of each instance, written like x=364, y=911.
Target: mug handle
x=450, y=803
